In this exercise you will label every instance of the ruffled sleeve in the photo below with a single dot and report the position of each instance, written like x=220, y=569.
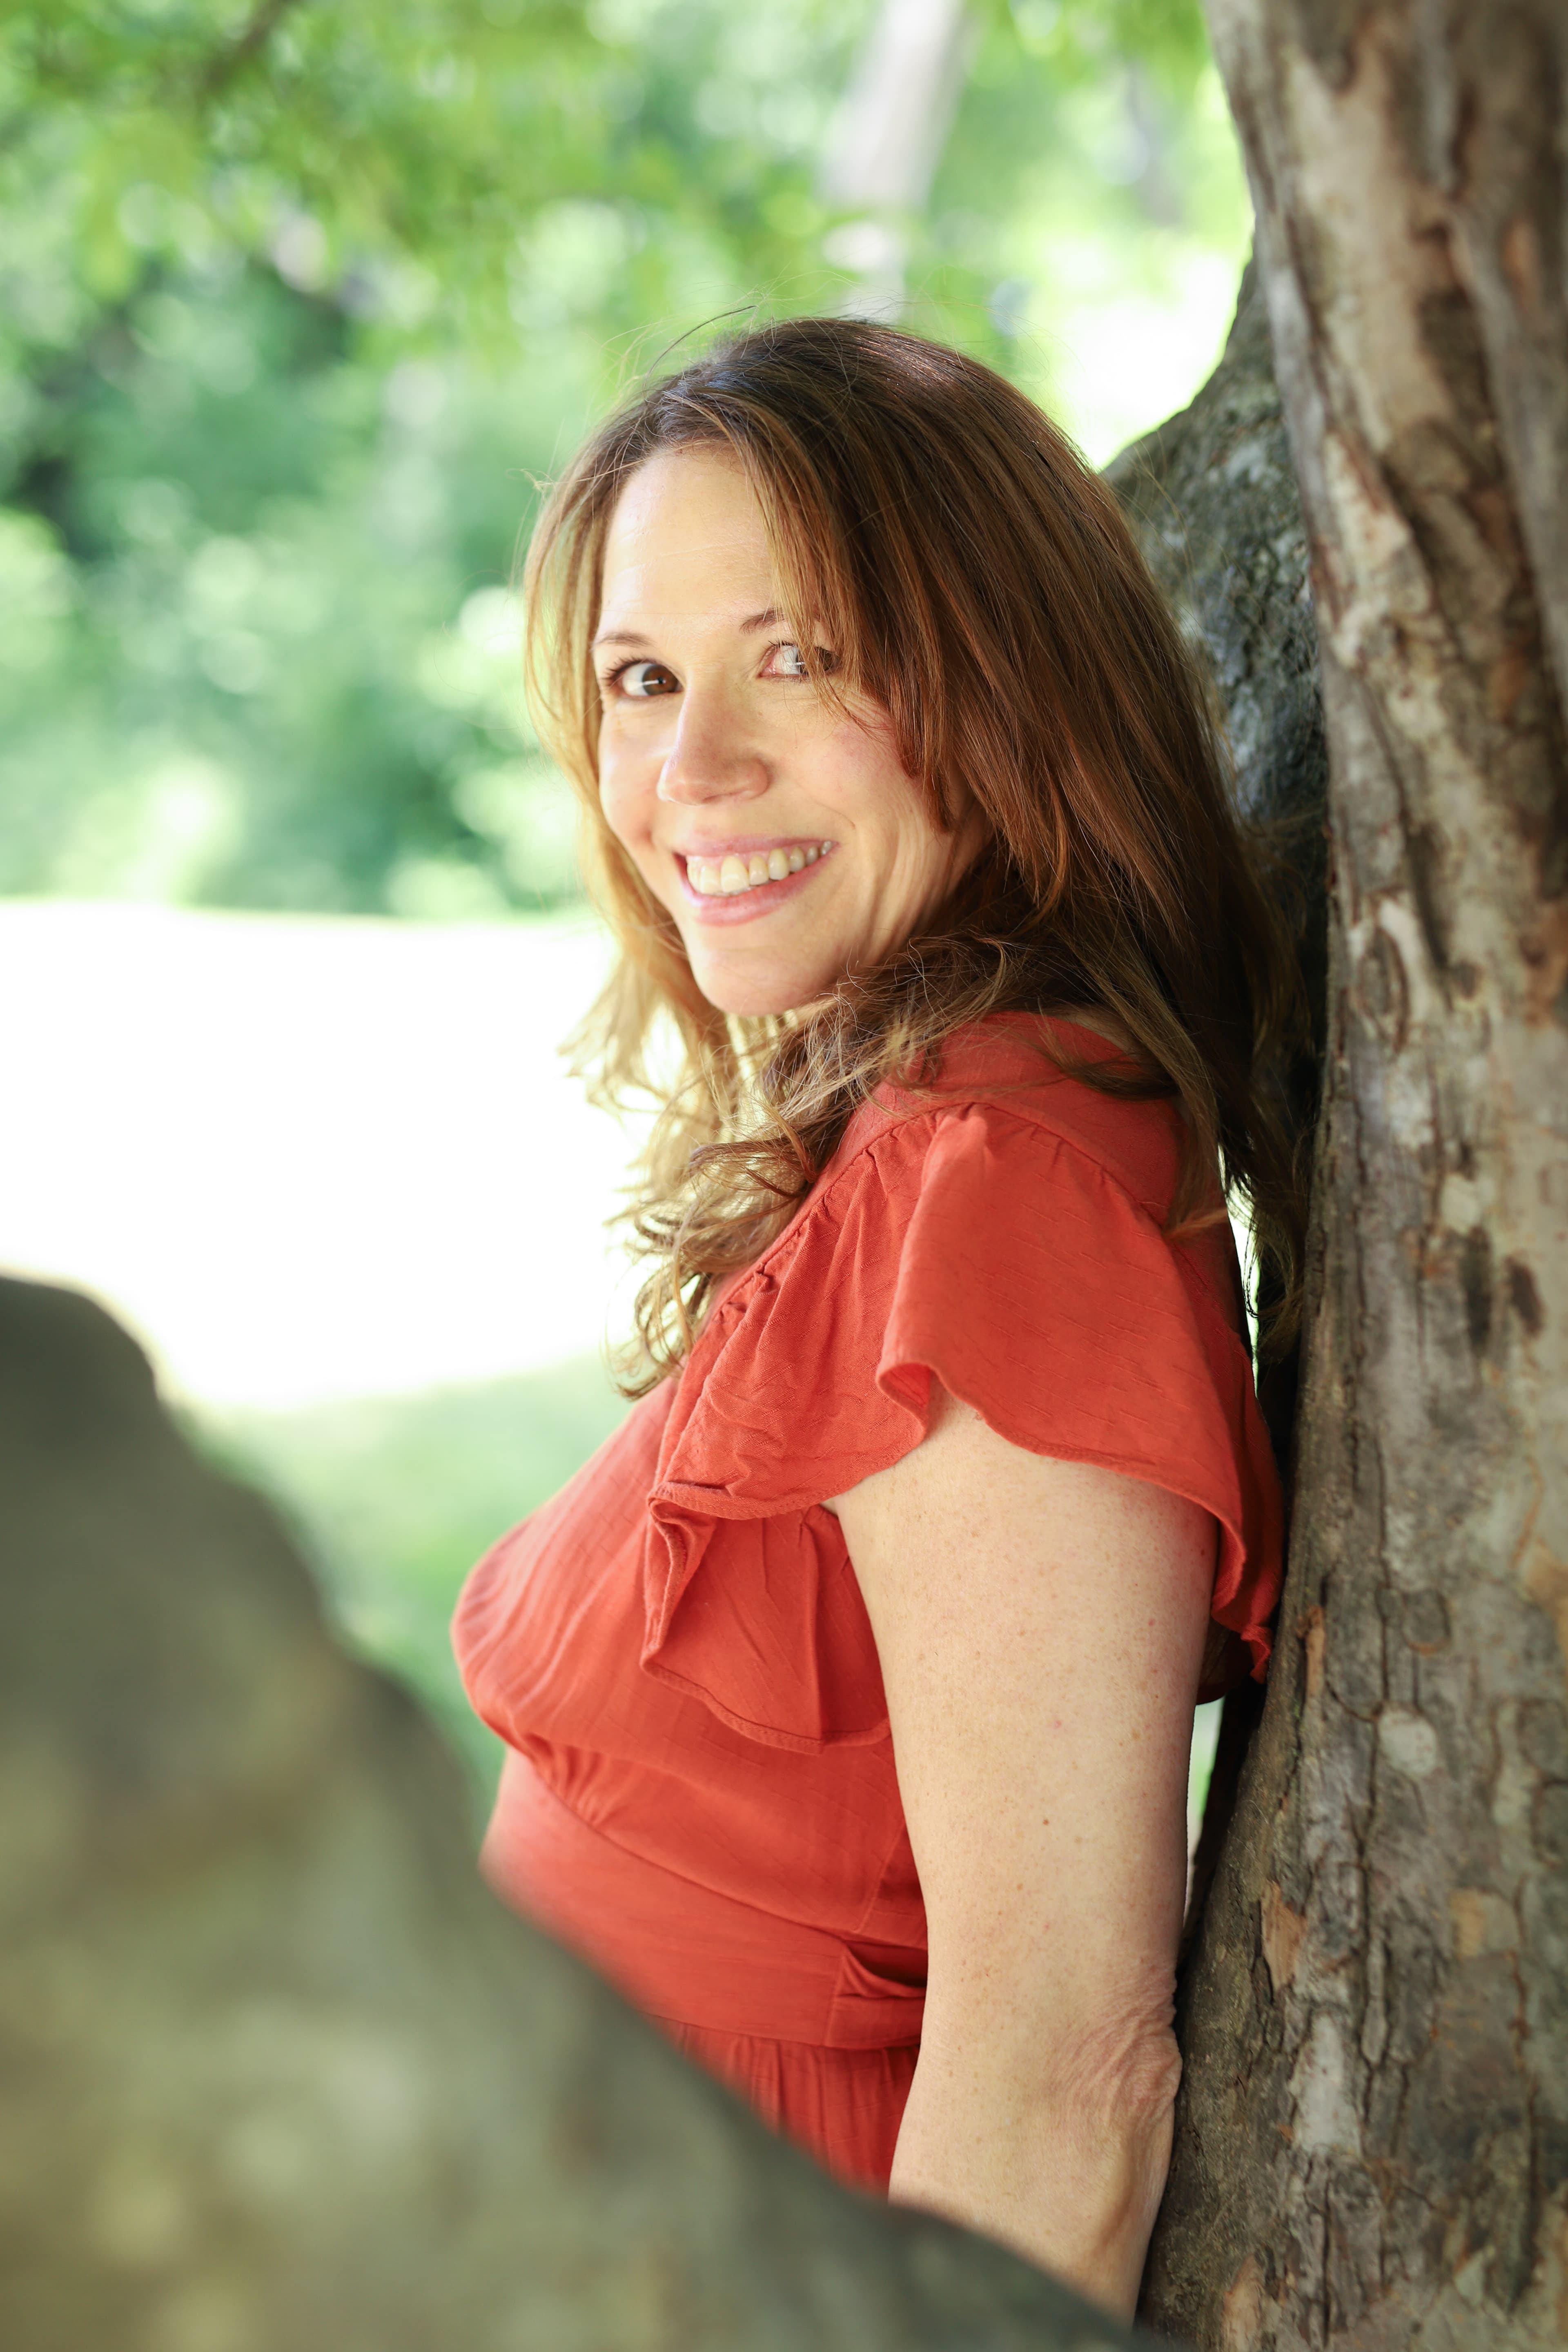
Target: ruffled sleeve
x=981, y=1246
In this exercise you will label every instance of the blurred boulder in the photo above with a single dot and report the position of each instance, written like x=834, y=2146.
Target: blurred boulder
x=276, y=2072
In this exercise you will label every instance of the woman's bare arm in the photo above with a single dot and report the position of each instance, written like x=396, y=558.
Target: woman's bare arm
x=1040, y=1626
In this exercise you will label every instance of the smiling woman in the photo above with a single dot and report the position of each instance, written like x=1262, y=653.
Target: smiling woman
x=711, y=716
x=850, y=1687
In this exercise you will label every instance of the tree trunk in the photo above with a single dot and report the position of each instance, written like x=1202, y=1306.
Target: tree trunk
x=1212, y=499
x=1373, y=2138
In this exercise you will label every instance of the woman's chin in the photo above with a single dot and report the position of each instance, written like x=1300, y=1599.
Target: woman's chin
x=759, y=994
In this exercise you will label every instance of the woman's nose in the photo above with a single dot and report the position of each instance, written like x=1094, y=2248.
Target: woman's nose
x=711, y=757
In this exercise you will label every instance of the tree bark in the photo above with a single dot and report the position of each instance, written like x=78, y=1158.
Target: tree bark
x=1212, y=499
x=276, y=2072
x=1372, y=2137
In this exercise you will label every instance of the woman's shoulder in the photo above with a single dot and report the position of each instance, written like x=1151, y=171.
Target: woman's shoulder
x=998, y=1233
x=1006, y=1191
x=1013, y=1091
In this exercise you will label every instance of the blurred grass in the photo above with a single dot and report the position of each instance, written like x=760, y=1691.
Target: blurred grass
x=393, y=1500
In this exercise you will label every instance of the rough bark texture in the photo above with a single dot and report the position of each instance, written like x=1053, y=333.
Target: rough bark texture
x=1373, y=2141
x=1212, y=499
x=276, y=2073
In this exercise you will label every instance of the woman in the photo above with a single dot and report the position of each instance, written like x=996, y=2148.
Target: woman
x=850, y=1687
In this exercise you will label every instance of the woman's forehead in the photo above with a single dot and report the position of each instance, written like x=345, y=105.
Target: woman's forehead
x=687, y=536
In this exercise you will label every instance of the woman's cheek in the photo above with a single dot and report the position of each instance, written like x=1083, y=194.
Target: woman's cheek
x=618, y=798
x=628, y=810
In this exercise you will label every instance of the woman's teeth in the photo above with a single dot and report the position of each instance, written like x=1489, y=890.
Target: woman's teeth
x=724, y=877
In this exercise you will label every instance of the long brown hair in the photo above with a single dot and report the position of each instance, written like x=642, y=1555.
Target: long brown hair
x=978, y=580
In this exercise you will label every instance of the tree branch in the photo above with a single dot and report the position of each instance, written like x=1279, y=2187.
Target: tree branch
x=232, y=61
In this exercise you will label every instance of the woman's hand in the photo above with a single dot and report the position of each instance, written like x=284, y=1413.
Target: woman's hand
x=1040, y=1626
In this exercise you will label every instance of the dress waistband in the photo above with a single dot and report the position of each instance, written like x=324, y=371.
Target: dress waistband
x=683, y=1952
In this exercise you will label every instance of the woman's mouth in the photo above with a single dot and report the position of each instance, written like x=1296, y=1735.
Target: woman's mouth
x=735, y=883
x=728, y=876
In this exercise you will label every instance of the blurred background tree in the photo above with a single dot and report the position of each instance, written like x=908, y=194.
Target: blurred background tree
x=301, y=301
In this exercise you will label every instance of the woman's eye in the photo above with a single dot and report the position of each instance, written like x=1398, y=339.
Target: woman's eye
x=788, y=661
x=642, y=679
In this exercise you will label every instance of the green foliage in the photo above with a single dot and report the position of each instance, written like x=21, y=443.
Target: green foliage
x=410, y=151
x=295, y=308
x=274, y=666
x=299, y=302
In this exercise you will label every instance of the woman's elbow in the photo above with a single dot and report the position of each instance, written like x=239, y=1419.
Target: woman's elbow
x=1126, y=2071
x=1108, y=2096
x=1065, y=2159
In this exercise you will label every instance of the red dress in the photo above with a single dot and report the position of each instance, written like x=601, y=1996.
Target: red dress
x=700, y=1796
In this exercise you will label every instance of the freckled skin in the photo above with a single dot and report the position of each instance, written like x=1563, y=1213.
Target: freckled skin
x=708, y=742
x=1042, y=1763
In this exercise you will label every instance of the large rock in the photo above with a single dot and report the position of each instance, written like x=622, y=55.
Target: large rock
x=276, y=2073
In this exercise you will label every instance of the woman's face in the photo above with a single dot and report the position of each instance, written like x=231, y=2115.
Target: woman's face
x=781, y=834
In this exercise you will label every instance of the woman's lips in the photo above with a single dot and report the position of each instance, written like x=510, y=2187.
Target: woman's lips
x=738, y=905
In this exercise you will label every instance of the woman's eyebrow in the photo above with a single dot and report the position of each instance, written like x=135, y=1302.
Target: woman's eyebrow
x=753, y=622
